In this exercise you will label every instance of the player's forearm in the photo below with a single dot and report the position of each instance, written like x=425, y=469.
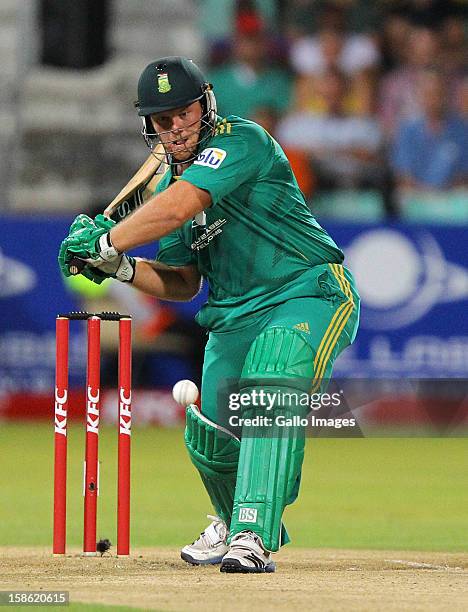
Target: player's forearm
x=164, y=282
x=160, y=216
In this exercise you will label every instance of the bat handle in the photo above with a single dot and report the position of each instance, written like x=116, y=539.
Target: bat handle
x=76, y=265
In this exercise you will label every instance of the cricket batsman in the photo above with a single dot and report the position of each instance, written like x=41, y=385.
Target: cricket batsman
x=281, y=305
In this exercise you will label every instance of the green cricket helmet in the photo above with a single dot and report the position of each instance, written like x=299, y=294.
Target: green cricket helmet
x=169, y=83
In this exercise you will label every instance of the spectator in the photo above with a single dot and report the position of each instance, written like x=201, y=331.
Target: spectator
x=332, y=48
x=462, y=99
x=217, y=18
x=432, y=151
x=344, y=149
x=428, y=13
x=399, y=98
x=359, y=96
x=307, y=16
x=454, y=45
x=396, y=29
x=249, y=80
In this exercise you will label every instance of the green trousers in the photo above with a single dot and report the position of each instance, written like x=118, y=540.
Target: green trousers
x=327, y=322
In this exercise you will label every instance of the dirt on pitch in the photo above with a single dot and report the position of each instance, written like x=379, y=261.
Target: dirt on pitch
x=305, y=580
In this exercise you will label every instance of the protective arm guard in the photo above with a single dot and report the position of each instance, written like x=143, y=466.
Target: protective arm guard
x=214, y=451
x=279, y=361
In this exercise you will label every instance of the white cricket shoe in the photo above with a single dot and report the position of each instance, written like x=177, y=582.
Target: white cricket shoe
x=210, y=547
x=247, y=555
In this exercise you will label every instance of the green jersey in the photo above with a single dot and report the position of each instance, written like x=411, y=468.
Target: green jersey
x=257, y=243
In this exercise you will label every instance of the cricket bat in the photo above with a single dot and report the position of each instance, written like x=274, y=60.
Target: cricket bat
x=136, y=192
x=140, y=187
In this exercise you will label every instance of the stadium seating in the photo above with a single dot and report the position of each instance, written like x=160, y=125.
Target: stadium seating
x=78, y=132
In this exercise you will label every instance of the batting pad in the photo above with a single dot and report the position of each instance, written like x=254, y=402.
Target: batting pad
x=214, y=451
x=271, y=457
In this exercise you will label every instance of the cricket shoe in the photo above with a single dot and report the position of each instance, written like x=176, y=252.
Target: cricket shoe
x=247, y=555
x=210, y=547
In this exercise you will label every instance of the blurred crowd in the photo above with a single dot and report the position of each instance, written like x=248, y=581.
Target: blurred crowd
x=362, y=95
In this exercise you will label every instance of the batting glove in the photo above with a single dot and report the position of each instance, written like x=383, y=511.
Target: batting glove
x=123, y=268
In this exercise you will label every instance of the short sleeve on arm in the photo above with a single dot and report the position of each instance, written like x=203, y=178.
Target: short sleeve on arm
x=228, y=161
x=173, y=251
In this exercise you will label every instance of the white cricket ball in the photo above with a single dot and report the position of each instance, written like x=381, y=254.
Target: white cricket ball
x=185, y=392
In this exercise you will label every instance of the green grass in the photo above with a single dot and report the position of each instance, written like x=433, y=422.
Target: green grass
x=356, y=493
x=81, y=607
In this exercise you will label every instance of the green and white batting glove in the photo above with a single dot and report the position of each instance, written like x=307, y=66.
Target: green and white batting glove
x=92, y=245
x=82, y=221
x=89, y=240
x=123, y=268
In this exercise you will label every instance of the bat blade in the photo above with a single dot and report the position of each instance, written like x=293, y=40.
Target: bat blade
x=133, y=194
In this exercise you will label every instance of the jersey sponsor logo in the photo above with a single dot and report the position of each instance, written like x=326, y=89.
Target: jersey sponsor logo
x=247, y=515
x=208, y=235
x=211, y=158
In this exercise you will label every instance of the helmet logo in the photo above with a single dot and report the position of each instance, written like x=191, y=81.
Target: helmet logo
x=163, y=83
